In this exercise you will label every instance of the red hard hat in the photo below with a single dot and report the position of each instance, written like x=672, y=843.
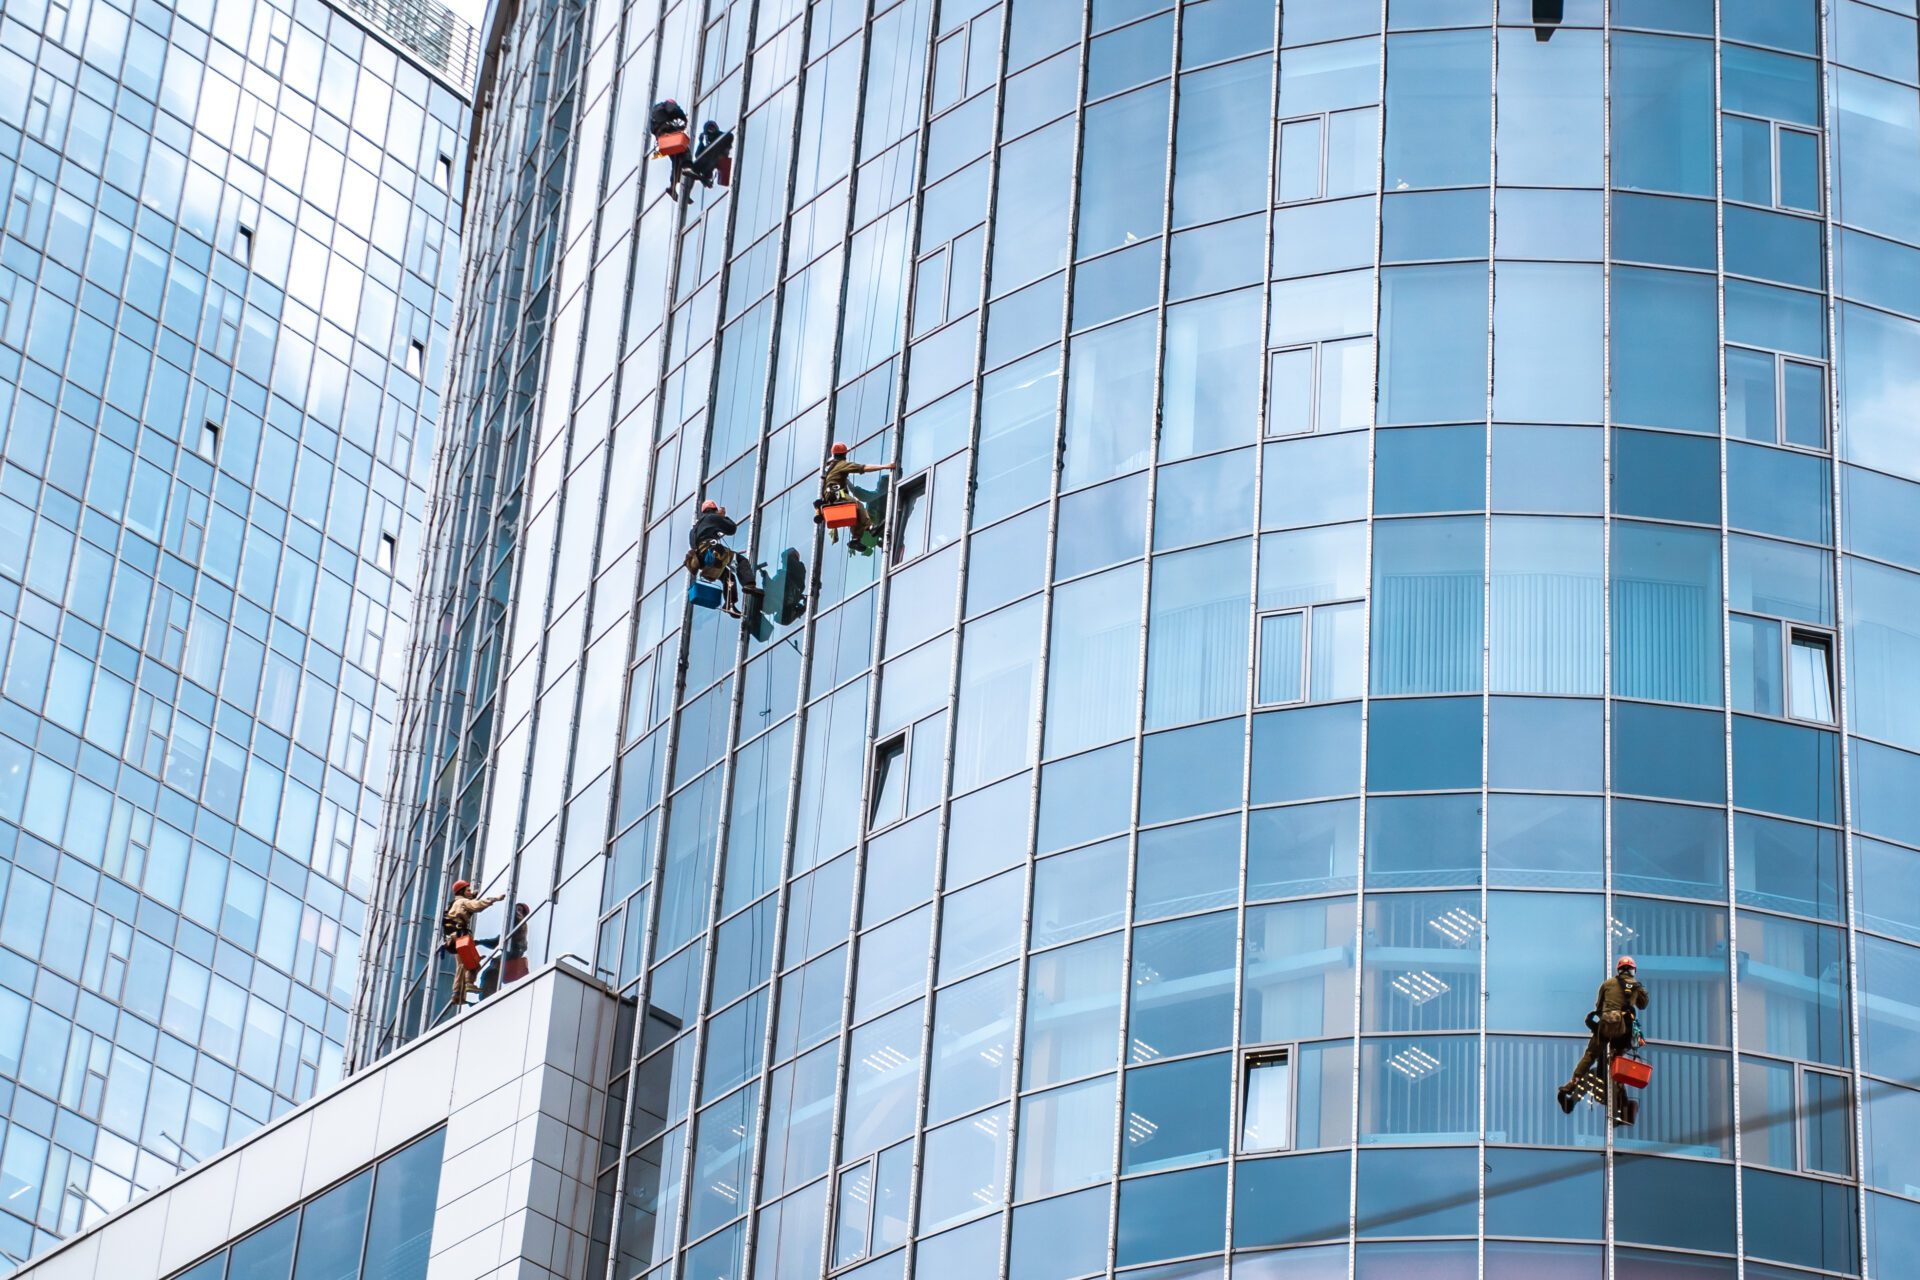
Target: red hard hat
x=1626, y=962
x=461, y=886
x=709, y=505
x=838, y=449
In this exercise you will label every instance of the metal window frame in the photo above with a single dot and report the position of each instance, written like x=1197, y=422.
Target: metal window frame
x=1252, y=1058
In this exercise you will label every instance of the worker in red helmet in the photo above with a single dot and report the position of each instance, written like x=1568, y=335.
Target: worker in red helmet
x=711, y=559
x=836, y=486
x=1613, y=1022
x=456, y=937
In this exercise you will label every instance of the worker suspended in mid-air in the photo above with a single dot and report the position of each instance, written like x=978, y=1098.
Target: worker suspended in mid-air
x=456, y=937
x=839, y=506
x=1615, y=1033
x=710, y=560
x=706, y=163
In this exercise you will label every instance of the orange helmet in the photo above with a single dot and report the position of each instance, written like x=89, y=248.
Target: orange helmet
x=839, y=450
x=460, y=887
x=1625, y=962
x=709, y=505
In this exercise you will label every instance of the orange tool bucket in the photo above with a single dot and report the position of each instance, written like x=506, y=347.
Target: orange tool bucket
x=1632, y=1071
x=841, y=515
x=676, y=143
x=467, y=952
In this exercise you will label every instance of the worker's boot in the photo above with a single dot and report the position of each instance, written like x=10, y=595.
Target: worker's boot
x=1566, y=1097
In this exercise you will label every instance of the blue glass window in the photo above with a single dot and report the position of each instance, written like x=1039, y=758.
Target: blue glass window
x=1313, y=1187
x=1299, y=971
x=1422, y=958
x=1182, y=987
x=1421, y=841
x=1665, y=476
x=1548, y=469
x=1424, y=744
x=1551, y=130
x=1663, y=114
x=1545, y=842
x=1666, y=613
x=1669, y=849
x=1546, y=342
x=1433, y=347
x=1439, y=114
x=1665, y=362
x=1429, y=469
x=1547, y=602
x=1171, y=1215
x=1177, y=1113
x=1302, y=849
x=1197, y=636
x=1427, y=606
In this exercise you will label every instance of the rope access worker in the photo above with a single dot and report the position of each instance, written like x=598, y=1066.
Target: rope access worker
x=668, y=124
x=456, y=936
x=710, y=559
x=836, y=487
x=1615, y=1030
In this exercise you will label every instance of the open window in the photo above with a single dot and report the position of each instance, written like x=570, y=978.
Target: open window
x=384, y=556
x=443, y=172
x=209, y=440
x=1266, y=1108
x=911, y=520
x=416, y=357
x=889, y=783
x=1826, y=1126
x=1810, y=675
x=243, y=243
x=1780, y=669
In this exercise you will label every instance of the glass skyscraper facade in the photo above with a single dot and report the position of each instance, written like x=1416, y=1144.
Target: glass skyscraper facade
x=1400, y=505
x=225, y=285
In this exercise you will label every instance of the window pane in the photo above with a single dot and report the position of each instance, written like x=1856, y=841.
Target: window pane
x=1665, y=365
x=1222, y=120
x=1756, y=664
x=1548, y=601
x=267, y=1254
x=1422, y=962
x=400, y=1231
x=1290, y=391
x=1439, y=114
x=963, y=1170
x=1066, y=1138
x=1073, y=1012
x=1750, y=395
x=1749, y=159
x=1314, y=1190
x=1666, y=613
x=1211, y=374
x=1063, y=1237
x=1078, y=893
x=1799, y=170
x=1091, y=686
x=1299, y=971
x=1811, y=694
x=1197, y=637
x=1826, y=1131
x=1806, y=404
x=1299, y=160
x=331, y=1229
x=1182, y=987
x=1310, y=848
x=1172, y=1215
x=1337, y=652
x=1427, y=615
x=1266, y=1122
x=1663, y=114
x=1186, y=868
x=1545, y=954
x=1546, y=339
x=1280, y=657
x=1420, y=1089
x=1551, y=130
x=1433, y=352
x=1177, y=1113
x=1109, y=402
x=1793, y=984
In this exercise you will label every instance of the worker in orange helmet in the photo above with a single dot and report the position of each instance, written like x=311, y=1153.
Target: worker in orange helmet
x=836, y=486
x=1612, y=1020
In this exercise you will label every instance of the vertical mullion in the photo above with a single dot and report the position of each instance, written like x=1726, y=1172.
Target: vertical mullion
x=1125, y=1011
x=1044, y=666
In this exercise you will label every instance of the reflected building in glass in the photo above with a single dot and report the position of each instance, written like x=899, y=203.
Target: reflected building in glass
x=225, y=284
x=1399, y=505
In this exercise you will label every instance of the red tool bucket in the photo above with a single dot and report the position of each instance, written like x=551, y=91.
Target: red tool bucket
x=841, y=515
x=1632, y=1071
x=468, y=953
x=672, y=144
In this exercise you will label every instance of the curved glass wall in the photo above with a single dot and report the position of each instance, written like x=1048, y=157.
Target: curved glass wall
x=1399, y=505
x=226, y=278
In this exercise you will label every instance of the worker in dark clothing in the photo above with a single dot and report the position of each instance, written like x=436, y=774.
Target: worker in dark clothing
x=1613, y=1022
x=836, y=487
x=456, y=936
x=668, y=124
x=710, y=559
